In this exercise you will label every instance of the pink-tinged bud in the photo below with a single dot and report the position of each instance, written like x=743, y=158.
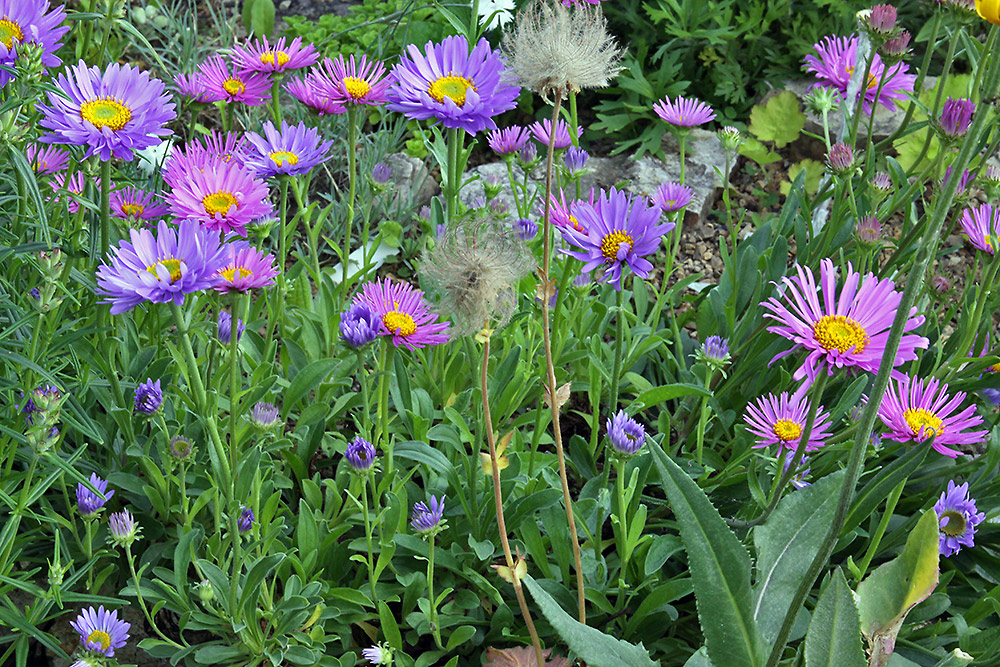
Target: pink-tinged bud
x=840, y=158
x=882, y=20
x=869, y=230
x=956, y=116
x=940, y=284
x=881, y=182
x=896, y=47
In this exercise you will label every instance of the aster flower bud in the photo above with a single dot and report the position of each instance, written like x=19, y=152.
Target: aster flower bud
x=940, y=285
x=181, y=448
x=626, y=435
x=731, y=138
x=881, y=21
x=381, y=173
x=89, y=503
x=123, y=529
x=264, y=416
x=896, y=48
x=245, y=521
x=204, y=591
x=148, y=397
x=956, y=116
x=360, y=455
x=576, y=159
x=226, y=327
x=526, y=229
x=881, y=184
x=821, y=100
x=869, y=230
x=840, y=159
x=492, y=184
x=359, y=325
x=992, y=174
x=428, y=519
x=47, y=398
x=527, y=153
x=714, y=352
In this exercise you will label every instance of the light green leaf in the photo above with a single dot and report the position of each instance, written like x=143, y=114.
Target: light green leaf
x=813, y=169
x=779, y=119
x=834, y=636
x=758, y=152
x=305, y=381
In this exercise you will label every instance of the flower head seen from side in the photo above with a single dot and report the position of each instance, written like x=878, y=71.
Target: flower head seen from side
x=293, y=150
x=90, y=503
x=123, y=529
x=714, y=352
x=834, y=66
x=963, y=181
x=509, y=140
x=136, y=205
x=671, y=196
x=225, y=327
x=73, y=185
x=446, y=82
x=958, y=517
x=351, y=82
x=360, y=455
x=359, y=325
x=224, y=84
x=101, y=630
x=402, y=314
x=245, y=520
x=379, y=654
x=265, y=416
x=191, y=87
x=246, y=268
x=111, y=113
x=262, y=56
x=148, y=397
x=160, y=268
x=956, y=116
x=224, y=197
x=46, y=159
x=982, y=225
x=684, y=112
x=848, y=329
x=30, y=22
x=780, y=420
x=620, y=231
x=542, y=132
x=428, y=518
x=626, y=435
x=914, y=410
x=304, y=89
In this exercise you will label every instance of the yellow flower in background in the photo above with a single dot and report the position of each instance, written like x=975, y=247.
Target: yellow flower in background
x=989, y=10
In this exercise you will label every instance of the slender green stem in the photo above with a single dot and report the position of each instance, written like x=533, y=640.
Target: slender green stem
x=276, y=100
x=88, y=546
x=142, y=603
x=105, y=207
x=619, y=344
x=455, y=140
x=862, y=93
x=574, y=123
x=622, y=530
x=352, y=178
x=430, y=593
x=368, y=539
x=883, y=524
x=277, y=317
x=703, y=418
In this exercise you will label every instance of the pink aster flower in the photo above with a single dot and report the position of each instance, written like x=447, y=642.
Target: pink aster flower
x=672, y=197
x=684, y=112
x=780, y=420
x=835, y=65
x=220, y=83
x=135, y=204
x=196, y=154
x=74, y=185
x=294, y=150
x=845, y=331
x=262, y=56
x=403, y=314
x=914, y=411
x=305, y=90
x=509, y=140
x=246, y=268
x=561, y=213
x=191, y=87
x=25, y=22
x=982, y=225
x=349, y=82
x=223, y=196
x=542, y=131
x=47, y=159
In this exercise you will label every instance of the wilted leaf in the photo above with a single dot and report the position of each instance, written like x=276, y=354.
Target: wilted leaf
x=522, y=656
x=562, y=395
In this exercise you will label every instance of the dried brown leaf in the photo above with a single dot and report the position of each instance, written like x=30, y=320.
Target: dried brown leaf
x=521, y=656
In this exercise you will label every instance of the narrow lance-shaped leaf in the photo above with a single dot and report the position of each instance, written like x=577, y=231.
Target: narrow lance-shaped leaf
x=834, y=636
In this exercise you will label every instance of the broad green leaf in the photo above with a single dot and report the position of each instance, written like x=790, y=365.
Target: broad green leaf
x=720, y=570
x=589, y=644
x=779, y=119
x=834, y=636
x=813, y=169
x=786, y=545
x=758, y=152
x=305, y=381
x=666, y=392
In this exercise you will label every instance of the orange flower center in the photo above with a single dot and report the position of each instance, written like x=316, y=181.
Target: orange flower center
x=234, y=86
x=133, y=210
x=173, y=267
x=787, y=430
x=612, y=242
x=272, y=57
x=358, y=88
x=453, y=87
x=837, y=332
x=106, y=112
x=281, y=157
x=101, y=637
x=872, y=80
x=9, y=31
x=232, y=273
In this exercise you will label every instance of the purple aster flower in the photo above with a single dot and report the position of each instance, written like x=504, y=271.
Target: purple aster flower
x=526, y=229
x=798, y=480
x=781, y=419
x=264, y=416
x=835, y=65
x=191, y=87
x=427, y=519
x=160, y=268
x=527, y=153
x=148, y=397
x=381, y=173
x=881, y=182
x=620, y=231
x=359, y=325
x=715, y=350
x=88, y=502
x=840, y=158
x=914, y=411
x=223, y=196
x=509, y=140
x=956, y=116
x=992, y=395
x=74, y=186
x=684, y=112
x=561, y=213
x=402, y=313
x=101, y=630
x=46, y=159
x=360, y=455
x=305, y=90
x=626, y=435
x=246, y=519
x=576, y=158
x=982, y=225
x=111, y=114
x=246, y=268
x=215, y=148
x=849, y=331
x=225, y=327
x=294, y=150
x=542, y=132
x=349, y=82
x=123, y=528
x=262, y=56
x=220, y=84
x=958, y=517
x=29, y=22
x=448, y=83
x=131, y=203
x=672, y=196
x=963, y=182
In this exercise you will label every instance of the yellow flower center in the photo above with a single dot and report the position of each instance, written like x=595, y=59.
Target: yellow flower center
x=272, y=57
x=988, y=240
x=232, y=273
x=106, y=112
x=995, y=368
x=100, y=636
x=612, y=242
x=173, y=267
x=399, y=323
x=955, y=524
x=234, y=86
x=872, y=79
x=453, y=87
x=9, y=31
x=358, y=88
x=576, y=223
x=281, y=157
x=917, y=418
x=787, y=430
x=219, y=202
x=837, y=332
x=133, y=210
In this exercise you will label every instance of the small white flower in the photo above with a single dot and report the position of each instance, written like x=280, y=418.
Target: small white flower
x=151, y=159
x=504, y=7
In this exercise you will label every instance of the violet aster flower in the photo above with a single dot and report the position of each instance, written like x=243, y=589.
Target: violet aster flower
x=963, y=181
x=223, y=196
x=191, y=87
x=446, y=82
x=956, y=116
x=222, y=84
x=835, y=65
x=360, y=455
x=527, y=153
x=246, y=268
x=526, y=229
x=305, y=90
x=347, y=82
x=131, y=203
x=148, y=397
x=264, y=416
x=561, y=213
x=508, y=140
x=123, y=528
x=246, y=519
x=914, y=411
x=29, y=22
x=160, y=268
x=46, y=159
x=427, y=519
x=542, y=132
x=88, y=502
x=958, y=517
x=626, y=435
x=575, y=159
x=845, y=331
x=381, y=173
x=111, y=113
x=684, y=112
x=781, y=419
x=359, y=325
x=225, y=327
x=714, y=351
x=294, y=150
x=672, y=196
x=217, y=147
x=840, y=158
x=402, y=313
x=101, y=630
x=620, y=231
x=982, y=225
x=262, y=56
x=869, y=230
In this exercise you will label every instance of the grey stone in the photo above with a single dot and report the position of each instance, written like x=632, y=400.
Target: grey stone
x=412, y=180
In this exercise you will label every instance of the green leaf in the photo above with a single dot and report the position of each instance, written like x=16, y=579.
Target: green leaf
x=834, y=636
x=666, y=392
x=779, y=119
x=390, y=630
x=589, y=644
x=814, y=171
x=786, y=545
x=881, y=485
x=258, y=17
x=758, y=152
x=720, y=569
x=305, y=381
